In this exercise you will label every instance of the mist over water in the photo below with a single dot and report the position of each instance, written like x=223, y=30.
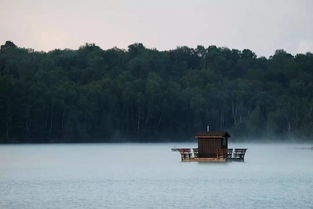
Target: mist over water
x=151, y=176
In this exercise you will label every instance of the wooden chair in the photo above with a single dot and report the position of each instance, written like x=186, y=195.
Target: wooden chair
x=240, y=154
x=195, y=152
x=220, y=153
x=229, y=153
x=185, y=153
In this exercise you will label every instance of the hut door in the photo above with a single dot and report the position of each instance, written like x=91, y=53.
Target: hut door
x=224, y=142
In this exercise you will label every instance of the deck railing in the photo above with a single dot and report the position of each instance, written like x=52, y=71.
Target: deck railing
x=237, y=154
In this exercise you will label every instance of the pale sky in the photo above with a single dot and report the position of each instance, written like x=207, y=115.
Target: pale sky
x=260, y=25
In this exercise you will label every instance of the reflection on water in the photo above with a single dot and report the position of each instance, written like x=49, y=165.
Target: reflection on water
x=151, y=176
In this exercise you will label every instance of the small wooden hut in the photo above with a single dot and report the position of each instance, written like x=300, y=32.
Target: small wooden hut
x=212, y=143
x=212, y=147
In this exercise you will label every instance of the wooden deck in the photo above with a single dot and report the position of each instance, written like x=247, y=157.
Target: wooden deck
x=191, y=155
x=204, y=160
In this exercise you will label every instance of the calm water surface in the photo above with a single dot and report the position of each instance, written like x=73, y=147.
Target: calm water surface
x=94, y=176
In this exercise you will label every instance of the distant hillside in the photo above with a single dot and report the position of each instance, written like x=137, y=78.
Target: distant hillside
x=92, y=94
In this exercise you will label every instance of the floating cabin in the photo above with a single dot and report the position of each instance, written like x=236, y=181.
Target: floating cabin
x=212, y=147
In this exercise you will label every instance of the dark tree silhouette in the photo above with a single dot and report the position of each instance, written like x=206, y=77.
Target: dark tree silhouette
x=144, y=94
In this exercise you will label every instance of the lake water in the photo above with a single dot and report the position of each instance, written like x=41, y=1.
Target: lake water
x=97, y=176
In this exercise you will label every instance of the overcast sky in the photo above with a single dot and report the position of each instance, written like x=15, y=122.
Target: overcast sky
x=260, y=25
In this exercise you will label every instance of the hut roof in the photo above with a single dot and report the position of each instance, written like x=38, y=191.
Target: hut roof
x=214, y=134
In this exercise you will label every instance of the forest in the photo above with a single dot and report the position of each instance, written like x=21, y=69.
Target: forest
x=142, y=94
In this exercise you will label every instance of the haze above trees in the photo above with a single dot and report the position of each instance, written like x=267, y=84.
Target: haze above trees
x=141, y=94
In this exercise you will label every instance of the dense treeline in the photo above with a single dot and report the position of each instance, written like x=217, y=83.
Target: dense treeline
x=92, y=94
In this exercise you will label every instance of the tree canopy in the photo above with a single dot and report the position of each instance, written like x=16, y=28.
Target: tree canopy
x=90, y=94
